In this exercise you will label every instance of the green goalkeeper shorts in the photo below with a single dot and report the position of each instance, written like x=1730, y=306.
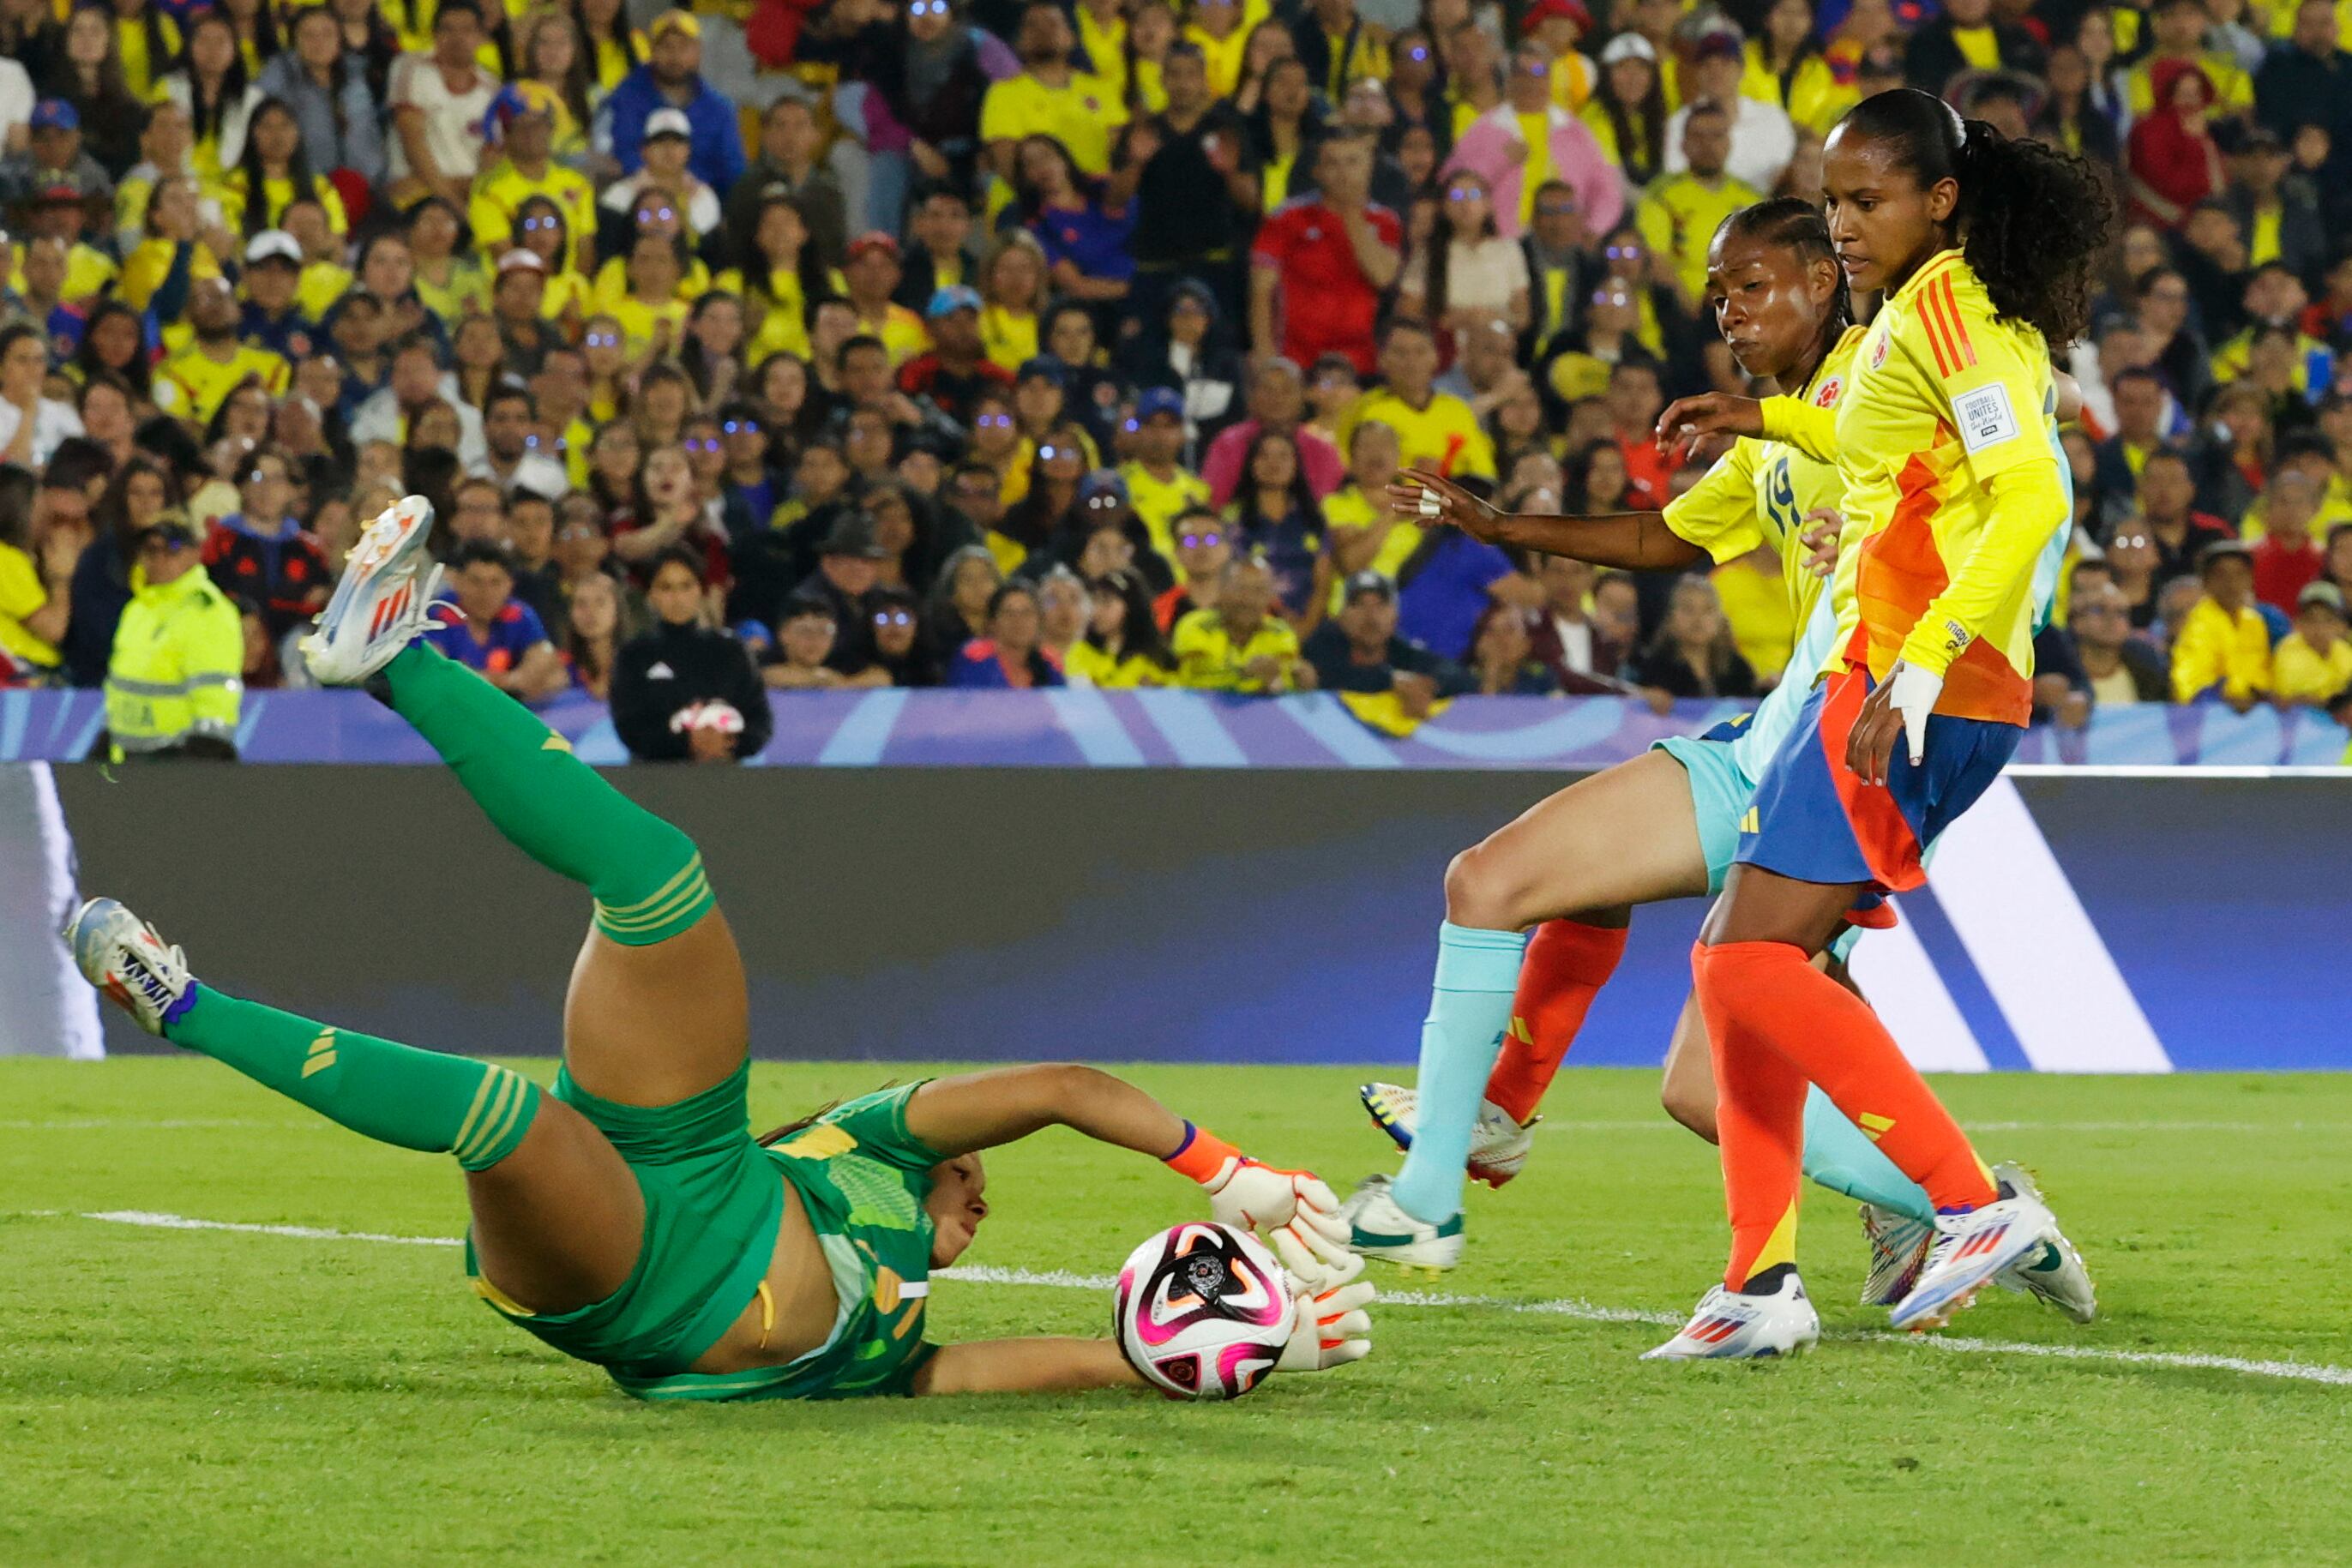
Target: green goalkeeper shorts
x=713, y=1206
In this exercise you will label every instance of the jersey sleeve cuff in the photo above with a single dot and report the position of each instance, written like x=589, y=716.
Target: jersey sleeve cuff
x=1721, y=548
x=1935, y=642
x=1809, y=430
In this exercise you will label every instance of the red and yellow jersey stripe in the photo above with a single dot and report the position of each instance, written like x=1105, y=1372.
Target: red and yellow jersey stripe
x=1945, y=398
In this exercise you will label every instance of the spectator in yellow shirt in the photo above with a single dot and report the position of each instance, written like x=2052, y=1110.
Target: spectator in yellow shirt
x=2313, y=663
x=192, y=382
x=1364, y=533
x=1679, y=216
x=2224, y=644
x=1435, y=430
x=779, y=278
x=872, y=275
x=525, y=115
x=1340, y=47
x=2179, y=26
x=1050, y=97
x=325, y=279
x=1123, y=647
x=1786, y=65
x=1628, y=110
x=1013, y=278
x=1160, y=487
x=37, y=566
x=274, y=173
x=166, y=267
x=651, y=315
x=447, y=278
x=1239, y=646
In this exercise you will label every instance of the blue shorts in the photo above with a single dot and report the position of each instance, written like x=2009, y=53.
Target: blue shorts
x=1815, y=820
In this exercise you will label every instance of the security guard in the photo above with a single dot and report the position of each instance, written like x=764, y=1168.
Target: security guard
x=175, y=682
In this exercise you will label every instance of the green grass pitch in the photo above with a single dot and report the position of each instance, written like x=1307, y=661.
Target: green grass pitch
x=209, y=1397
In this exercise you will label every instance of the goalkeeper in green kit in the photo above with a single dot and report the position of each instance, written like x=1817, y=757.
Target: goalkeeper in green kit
x=628, y=1218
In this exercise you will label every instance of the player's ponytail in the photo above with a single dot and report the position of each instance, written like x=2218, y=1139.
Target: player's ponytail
x=2031, y=217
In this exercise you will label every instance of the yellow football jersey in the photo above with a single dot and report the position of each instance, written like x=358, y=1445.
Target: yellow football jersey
x=193, y=385
x=1944, y=400
x=1759, y=492
x=1083, y=114
x=1443, y=435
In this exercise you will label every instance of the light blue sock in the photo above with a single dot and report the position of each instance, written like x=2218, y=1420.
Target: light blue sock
x=1841, y=1157
x=1469, y=1008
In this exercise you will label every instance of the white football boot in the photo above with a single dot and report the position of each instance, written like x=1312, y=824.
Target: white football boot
x=1728, y=1326
x=121, y=956
x=1498, y=1145
x=380, y=604
x=1379, y=1227
x=1898, y=1250
x=2056, y=1277
x=1969, y=1251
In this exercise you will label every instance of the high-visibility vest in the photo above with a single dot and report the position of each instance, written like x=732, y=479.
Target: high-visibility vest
x=177, y=672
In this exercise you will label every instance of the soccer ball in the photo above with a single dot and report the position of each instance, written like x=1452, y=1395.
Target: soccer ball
x=1202, y=1311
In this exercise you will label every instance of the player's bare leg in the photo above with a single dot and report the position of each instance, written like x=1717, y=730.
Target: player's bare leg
x=1583, y=857
x=1624, y=836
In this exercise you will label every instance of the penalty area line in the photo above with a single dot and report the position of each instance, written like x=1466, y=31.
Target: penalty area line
x=1565, y=1307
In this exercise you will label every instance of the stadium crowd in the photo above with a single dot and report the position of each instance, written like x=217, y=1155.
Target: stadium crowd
x=785, y=345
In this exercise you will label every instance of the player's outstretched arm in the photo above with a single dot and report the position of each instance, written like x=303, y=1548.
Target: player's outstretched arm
x=1043, y=1366
x=1631, y=541
x=983, y=1109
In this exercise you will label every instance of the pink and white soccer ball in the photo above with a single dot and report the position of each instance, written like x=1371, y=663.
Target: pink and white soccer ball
x=1202, y=1311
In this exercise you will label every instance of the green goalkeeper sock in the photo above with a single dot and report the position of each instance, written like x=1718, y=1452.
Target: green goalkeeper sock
x=646, y=876
x=394, y=1093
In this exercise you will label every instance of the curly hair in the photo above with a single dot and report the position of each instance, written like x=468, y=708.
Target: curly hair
x=2031, y=219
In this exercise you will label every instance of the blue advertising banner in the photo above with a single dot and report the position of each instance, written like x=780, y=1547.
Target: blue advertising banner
x=2074, y=920
x=1081, y=726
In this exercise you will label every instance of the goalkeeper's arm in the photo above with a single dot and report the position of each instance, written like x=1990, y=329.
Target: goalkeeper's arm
x=982, y=1110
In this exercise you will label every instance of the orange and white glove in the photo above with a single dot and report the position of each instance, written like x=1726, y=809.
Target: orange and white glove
x=1333, y=1328
x=1276, y=1204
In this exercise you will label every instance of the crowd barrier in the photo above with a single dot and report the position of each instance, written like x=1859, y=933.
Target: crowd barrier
x=1084, y=727
x=2079, y=920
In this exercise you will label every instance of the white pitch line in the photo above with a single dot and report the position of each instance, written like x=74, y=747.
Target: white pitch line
x=2301, y=1371
x=1568, y=1307
x=153, y=1222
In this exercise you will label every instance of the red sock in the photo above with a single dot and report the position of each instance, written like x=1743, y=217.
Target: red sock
x=1565, y=967
x=1832, y=1038
x=1759, y=1123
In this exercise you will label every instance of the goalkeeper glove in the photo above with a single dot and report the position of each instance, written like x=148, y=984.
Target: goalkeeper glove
x=1251, y=1195
x=1333, y=1328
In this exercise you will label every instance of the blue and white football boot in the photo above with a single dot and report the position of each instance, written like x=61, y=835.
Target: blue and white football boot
x=121, y=956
